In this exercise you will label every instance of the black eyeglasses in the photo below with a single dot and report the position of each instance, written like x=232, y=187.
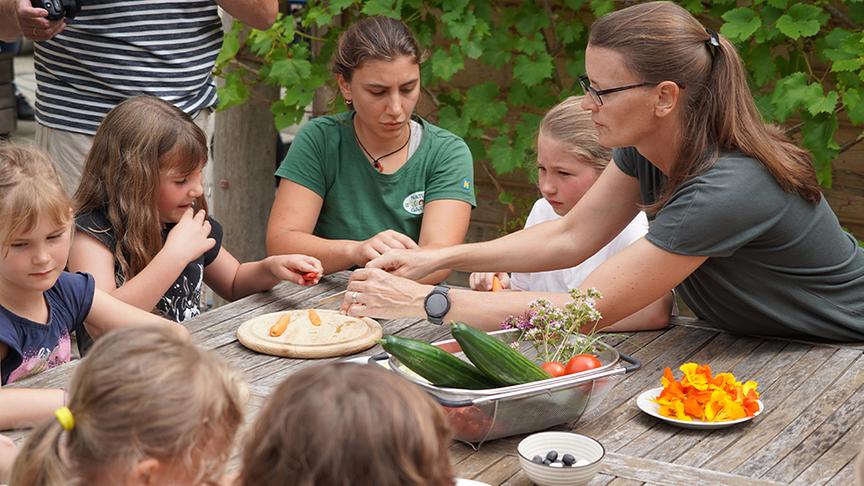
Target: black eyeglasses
x=596, y=94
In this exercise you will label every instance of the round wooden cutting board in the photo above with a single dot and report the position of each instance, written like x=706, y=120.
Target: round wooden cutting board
x=337, y=335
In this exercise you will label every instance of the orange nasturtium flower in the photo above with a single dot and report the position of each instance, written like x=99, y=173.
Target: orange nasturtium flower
x=700, y=396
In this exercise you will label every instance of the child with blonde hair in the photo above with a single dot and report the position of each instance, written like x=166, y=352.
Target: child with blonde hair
x=40, y=304
x=144, y=232
x=362, y=426
x=569, y=161
x=145, y=407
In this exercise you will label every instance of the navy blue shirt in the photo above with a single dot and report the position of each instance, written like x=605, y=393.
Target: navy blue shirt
x=35, y=347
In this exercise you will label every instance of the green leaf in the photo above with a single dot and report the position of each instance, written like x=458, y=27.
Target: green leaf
x=602, y=7
x=481, y=104
x=230, y=44
x=801, y=20
x=386, y=8
x=472, y=49
x=501, y=155
x=531, y=20
x=532, y=71
x=823, y=104
x=445, y=65
x=234, y=92
x=497, y=50
x=574, y=4
x=289, y=72
x=569, y=32
x=781, y=4
x=792, y=92
x=693, y=6
x=520, y=94
x=853, y=100
x=761, y=64
x=449, y=118
x=769, y=31
x=819, y=140
x=740, y=24
x=337, y=6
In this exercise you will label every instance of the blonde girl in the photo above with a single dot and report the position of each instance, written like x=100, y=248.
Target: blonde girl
x=145, y=408
x=144, y=232
x=40, y=304
x=362, y=425
x=569, y=161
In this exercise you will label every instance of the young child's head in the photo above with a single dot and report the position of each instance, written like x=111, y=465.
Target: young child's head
x=146, y=408
x=35, y=218
x=569, y=157
x=345, y=424
x=144, y=169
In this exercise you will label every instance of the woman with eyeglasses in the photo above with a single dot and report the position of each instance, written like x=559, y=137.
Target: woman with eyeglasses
x=740, y=227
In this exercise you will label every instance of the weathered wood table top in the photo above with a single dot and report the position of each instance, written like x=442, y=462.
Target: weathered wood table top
x=809, y=433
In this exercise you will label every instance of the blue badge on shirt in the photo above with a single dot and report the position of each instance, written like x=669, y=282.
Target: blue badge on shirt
x=466, y=184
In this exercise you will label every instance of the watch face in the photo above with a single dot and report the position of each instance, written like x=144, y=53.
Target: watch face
x=436, y=305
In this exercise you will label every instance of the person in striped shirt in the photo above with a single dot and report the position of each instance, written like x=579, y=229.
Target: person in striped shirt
x=114, y=50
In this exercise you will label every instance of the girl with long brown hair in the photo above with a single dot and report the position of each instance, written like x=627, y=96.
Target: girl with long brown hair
x=375, y=177
x=143, y=229
x=145, y=408
x=739, y=227
x=347, y=424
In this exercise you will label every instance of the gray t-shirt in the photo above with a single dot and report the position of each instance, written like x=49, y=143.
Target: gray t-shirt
x=778, y=265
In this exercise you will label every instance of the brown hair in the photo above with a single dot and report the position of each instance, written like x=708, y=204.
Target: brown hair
x=141, y=393
x=29, y=190
x=661, y=41
x=570, y=125
x=345, y=424
x=377, y=38
x=137, y=139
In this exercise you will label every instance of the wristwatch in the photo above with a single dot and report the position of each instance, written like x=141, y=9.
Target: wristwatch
x=437, y=304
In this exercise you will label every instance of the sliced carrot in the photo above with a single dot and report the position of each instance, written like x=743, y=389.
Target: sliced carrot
x=314, y=318
x=277, y=329
x=496, y=283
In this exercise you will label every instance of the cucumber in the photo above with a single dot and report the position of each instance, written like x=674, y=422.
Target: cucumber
x=494, y=358
x=436, y=365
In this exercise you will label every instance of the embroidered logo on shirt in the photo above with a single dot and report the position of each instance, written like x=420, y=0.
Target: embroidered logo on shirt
x=466, y=184
x=413, y=203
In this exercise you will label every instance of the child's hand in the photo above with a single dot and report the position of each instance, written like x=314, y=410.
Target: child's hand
x=189, y=239
x=300, y=269
x=483, y=280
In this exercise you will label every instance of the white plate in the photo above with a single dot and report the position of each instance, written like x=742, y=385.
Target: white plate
x=646, y=404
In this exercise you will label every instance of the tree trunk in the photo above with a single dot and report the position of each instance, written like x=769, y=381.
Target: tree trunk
x=244, y=159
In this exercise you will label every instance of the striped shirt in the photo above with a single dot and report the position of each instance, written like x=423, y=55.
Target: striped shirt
x=114, y=50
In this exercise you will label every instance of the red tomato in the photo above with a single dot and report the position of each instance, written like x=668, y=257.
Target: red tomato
x=310, y=276
x=554, y=368
x=582, y=362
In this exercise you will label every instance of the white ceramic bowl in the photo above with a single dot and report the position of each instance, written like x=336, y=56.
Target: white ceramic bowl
x=580, y=446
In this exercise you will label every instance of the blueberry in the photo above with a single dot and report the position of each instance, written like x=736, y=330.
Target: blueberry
x=547, y=461
x=552, y=455
x=568, y=459
x=537, y=460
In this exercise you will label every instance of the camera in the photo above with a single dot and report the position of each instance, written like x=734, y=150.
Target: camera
x=57, y=9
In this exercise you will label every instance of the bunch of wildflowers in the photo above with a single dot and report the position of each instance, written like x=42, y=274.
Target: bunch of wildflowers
x=554, y=331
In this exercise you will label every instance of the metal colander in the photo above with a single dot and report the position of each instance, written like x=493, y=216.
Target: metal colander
x=480, y=415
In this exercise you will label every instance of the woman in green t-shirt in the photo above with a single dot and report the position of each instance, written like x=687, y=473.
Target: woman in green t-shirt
x=740, y=227
x=357, y=184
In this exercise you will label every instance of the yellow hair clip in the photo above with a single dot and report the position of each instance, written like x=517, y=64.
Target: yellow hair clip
x=64, y=416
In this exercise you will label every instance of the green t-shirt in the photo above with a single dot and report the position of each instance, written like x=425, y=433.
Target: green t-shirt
x=360, y=202
x=778, y=265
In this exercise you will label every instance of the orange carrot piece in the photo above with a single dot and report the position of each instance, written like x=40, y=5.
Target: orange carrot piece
x=314, y=318
x=277, y=329
x=496, y=283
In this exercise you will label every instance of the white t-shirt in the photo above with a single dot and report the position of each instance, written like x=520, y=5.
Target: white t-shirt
x=569, y=278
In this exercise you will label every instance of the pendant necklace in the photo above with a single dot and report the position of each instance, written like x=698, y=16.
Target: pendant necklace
x=376, y=163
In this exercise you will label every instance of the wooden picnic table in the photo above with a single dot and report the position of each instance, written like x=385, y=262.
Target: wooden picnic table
x=809, y=433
